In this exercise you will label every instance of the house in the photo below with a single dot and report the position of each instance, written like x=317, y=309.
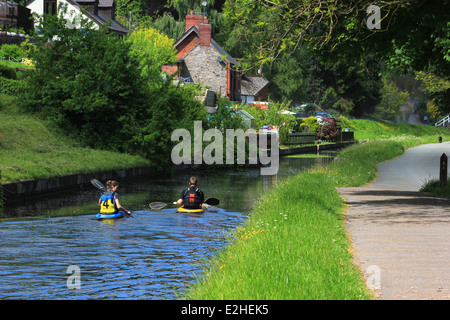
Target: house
x=202, y=60
x=254, y=87
x=100, y=12
x=14, y=15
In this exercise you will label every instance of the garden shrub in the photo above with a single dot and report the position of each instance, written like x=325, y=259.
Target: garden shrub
x=11, y=52
x=10, y=86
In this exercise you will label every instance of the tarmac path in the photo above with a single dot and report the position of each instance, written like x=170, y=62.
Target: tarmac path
x=401, y=237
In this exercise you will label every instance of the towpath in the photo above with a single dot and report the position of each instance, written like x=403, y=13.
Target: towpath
x=401, y=237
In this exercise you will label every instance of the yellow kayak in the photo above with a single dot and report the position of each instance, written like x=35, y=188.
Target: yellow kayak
x=203, y=209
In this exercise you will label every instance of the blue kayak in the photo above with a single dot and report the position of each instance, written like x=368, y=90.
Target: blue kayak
x=101, y=216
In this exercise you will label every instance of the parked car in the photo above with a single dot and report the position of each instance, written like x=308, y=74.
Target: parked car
x=320, y=114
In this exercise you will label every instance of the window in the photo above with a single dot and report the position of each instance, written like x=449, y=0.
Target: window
x=11, y=11
x=50, y=7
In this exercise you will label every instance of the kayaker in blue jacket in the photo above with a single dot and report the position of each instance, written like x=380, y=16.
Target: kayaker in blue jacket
x=109, y=200
x=192, y=197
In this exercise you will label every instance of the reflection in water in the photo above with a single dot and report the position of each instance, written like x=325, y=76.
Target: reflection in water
x=151, y=255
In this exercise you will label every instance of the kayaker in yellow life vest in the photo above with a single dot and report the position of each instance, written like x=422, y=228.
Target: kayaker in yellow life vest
x=109, y=201
x=193, y=197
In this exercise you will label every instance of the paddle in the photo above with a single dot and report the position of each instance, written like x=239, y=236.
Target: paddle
x=212, y=201
x=160, y=205
x=98, y=184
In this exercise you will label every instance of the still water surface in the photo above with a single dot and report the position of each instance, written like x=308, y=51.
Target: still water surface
x=151, y=255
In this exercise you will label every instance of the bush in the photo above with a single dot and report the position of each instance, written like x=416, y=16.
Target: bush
x=284, y=135
x=11, y=52
x=310, y=122
x=10, y=86
x=327, y=130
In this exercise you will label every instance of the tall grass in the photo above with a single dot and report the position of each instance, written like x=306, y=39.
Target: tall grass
x=294, y=244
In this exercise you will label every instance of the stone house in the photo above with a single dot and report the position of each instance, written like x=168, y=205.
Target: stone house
x=202, y=60
x=100, y=12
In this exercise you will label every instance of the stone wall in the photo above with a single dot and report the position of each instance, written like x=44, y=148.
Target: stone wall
x=18, y=191
x=204, y=68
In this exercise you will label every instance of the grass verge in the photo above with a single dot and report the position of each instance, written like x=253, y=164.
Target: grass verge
x=294, y=244
x=31, y=148
x=433, y=187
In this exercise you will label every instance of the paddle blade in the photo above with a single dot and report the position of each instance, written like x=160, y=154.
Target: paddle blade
x=157, y=205
x=212, y=201
x=98, y=184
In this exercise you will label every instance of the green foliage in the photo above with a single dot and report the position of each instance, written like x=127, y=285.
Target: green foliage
x=289, y=77
x=11, y=51
x=270, y=117
x=225, y=118
x=167, y=25
x=31, y=148
x=329, y=98
x=8, y=73
x=311, y=123
x=391, y=100
x=171, y=107
x=108, y=93
x=327, y=130
x=152, y=50
x=28, y=48
x=433, y=187
x=10, y=86
x=369, y=130
x=83, y=82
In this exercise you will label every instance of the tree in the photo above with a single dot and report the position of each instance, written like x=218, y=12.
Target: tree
x=289, y=77
x=391, y=100
x=152, y=50
x=85, y=82
x=413, y=34
x=89, y=83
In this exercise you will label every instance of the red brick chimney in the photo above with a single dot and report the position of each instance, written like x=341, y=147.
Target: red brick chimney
x=203, y=26
x=205, y=33
x=192, y=19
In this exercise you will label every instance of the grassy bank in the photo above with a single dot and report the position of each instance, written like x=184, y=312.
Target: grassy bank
x=31, y=148
x=370, y=130
x=294, y=244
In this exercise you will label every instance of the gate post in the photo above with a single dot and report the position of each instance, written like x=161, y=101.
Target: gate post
x=443, y=171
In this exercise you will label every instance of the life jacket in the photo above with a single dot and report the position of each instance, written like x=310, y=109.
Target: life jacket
x=191, y=198
x=108, y=205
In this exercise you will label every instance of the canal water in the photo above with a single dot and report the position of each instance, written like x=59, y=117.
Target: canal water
x=150, y=255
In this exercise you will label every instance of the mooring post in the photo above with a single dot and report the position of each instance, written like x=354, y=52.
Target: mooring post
x=443, y=171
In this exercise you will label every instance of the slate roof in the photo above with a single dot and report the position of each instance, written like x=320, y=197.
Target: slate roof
x=102, y=17
x=251, y=84
x=214, y=44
